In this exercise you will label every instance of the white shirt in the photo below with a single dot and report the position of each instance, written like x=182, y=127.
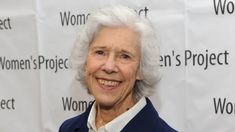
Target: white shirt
x=117, y=124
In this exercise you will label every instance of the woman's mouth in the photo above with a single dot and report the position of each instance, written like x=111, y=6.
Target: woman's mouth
x=108, y=83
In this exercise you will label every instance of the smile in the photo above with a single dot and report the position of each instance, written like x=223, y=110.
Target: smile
x=109, y=83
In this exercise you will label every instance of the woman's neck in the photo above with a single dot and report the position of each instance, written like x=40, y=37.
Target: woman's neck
x=105, y=114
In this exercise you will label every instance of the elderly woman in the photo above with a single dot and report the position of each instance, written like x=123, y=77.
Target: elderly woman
x=116, y=56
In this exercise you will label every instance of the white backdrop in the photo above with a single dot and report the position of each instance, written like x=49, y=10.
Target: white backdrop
x=38, y=91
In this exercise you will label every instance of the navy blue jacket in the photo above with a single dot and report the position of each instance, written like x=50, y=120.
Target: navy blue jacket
x=147, y=120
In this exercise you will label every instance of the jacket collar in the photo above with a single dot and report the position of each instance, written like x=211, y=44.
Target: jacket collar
x=81, y=123
x=148, y=116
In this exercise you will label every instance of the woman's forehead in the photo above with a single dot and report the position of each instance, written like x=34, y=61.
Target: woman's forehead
x=116, y=36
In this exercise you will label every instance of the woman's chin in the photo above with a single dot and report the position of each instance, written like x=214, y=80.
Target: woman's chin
x=105, y=102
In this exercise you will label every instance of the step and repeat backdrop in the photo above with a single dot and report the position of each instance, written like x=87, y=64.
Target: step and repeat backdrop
x=38, y=90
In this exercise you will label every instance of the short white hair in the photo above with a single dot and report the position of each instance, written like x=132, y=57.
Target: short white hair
x=116, y=16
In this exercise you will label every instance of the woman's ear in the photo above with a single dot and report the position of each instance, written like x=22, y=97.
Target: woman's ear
x=85, y=67
x=139, y=75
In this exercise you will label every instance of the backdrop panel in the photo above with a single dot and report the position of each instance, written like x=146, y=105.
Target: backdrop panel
x=20, y=101
x=38, y=90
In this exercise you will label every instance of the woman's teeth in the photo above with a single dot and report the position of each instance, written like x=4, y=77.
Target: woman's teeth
x=108, y=82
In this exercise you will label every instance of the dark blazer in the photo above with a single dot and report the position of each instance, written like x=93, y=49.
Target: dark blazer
x=147, y=120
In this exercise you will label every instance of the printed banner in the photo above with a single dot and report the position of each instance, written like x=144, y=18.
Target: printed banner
x=38, y=90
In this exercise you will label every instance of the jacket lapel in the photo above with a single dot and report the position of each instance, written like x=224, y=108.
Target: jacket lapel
x=144, y=121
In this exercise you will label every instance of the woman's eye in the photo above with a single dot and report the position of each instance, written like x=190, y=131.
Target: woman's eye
x=99, y=52
x=125, y=56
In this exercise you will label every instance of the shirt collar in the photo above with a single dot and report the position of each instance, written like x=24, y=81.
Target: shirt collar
x=91, y=118
x=119, y=122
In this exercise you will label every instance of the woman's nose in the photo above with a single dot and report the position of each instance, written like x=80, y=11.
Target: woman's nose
x=109, y=65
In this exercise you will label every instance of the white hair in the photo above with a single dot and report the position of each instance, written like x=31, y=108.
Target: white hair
x=115, y=17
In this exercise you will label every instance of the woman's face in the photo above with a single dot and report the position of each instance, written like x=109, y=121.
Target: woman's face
x=112, y=65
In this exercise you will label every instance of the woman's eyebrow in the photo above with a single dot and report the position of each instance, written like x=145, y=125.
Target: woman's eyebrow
x=98, y=47
x=127, y=52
